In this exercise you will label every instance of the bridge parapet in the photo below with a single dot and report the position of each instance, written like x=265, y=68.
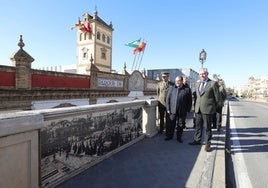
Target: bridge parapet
x=60, y=143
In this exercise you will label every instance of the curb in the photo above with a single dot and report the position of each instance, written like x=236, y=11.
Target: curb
x=209, y=169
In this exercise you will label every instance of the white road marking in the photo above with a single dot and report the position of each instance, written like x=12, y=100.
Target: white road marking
x=240, y=167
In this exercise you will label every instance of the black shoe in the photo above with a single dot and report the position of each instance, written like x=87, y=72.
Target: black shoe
x=168, y=138
x=194, y=143
x=179, y=140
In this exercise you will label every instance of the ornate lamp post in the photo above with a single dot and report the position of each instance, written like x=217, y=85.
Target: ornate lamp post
x=202, y=56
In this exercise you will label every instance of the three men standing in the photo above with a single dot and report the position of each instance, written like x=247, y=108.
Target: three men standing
x=162, y=90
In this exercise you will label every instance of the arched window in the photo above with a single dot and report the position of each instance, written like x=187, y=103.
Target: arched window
x=85, y=36
x=108, y=40
x=80, y=36
x=103, y=38
x=98, y=35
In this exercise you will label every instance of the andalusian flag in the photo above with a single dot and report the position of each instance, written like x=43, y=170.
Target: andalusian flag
x=134, y=43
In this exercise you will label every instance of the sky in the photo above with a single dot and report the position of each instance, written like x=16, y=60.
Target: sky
x=234, y=33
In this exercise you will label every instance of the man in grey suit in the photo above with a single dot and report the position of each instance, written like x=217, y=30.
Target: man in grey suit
x=178, y=103
x=208, y=99
x=162, y=90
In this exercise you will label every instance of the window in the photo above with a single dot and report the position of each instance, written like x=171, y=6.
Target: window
x=98, y=35
x=103, y=55
x=108, y=40
x=80, y=36
x=103, y=38
x=85, y=55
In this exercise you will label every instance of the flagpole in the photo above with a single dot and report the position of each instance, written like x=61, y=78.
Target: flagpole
x=142, y=55
x=133, y=62
x=141, y=59
x=137, y=61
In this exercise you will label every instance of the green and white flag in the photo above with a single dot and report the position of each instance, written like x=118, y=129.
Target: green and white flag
x=134, y=43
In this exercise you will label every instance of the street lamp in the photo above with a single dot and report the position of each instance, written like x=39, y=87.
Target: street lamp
x=202, y=56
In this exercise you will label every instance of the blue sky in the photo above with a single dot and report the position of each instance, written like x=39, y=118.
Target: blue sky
x=233, y=32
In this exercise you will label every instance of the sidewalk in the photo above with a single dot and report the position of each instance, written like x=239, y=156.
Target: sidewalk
x=154, y=162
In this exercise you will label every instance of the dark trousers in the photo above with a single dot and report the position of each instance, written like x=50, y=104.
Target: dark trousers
x=177, y=122
x=217, y=118
x=162, y=115
x=203, y=121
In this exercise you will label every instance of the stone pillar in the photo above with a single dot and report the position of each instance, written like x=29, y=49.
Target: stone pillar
x=22, y=61
x=149, y=118
x=126, y=78
x=19, y=149
x=92, y=70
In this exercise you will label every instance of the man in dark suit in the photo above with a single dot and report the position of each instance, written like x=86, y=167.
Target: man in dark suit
x=208, y=99
x=178, y=103
x=162, y=90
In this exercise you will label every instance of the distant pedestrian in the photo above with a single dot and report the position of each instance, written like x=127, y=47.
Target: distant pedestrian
x=162, y=90
x=178, y=103
x=208, y=99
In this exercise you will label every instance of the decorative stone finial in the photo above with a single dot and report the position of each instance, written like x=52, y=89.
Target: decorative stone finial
x=21, y=43
x=95, y=13
x=125, y=67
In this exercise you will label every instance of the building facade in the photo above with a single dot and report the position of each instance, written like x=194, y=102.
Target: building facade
x=192, y=75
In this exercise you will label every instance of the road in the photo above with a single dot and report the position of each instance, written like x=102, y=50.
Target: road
x=248, y=144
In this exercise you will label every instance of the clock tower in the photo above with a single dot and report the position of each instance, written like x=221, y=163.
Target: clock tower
x=94, y=44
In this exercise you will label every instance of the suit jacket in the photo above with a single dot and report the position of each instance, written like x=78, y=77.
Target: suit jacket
x=162, y=91
x=209, y=100
x=179, y=102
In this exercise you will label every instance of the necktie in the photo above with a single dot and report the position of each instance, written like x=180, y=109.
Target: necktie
x=201, y=89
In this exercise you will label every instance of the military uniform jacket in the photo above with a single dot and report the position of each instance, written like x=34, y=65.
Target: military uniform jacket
x=209, y=100
x=162, y=90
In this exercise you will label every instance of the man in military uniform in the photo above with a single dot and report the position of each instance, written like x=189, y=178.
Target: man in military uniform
x=162, y=90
